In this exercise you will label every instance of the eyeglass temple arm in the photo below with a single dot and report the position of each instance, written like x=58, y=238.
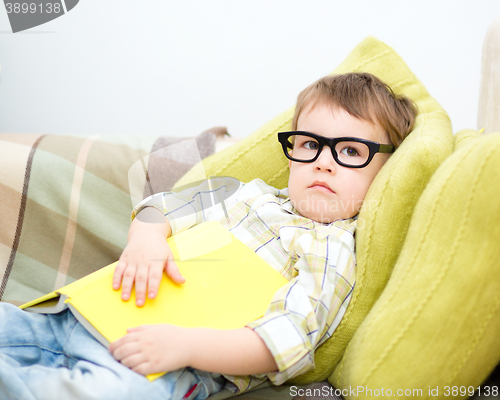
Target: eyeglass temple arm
x=386, y=148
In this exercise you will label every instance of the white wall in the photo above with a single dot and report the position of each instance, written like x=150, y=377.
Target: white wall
x=179, y=67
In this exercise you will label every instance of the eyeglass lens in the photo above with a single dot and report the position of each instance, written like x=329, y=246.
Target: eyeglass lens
x=305, y=148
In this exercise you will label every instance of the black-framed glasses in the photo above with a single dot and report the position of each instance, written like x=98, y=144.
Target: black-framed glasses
x=349, y=152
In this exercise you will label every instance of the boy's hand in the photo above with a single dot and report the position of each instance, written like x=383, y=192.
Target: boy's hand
x=142, y=263
x=143, y=260
x=150, y=349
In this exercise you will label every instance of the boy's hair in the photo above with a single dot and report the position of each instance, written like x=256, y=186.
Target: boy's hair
x=364, y=96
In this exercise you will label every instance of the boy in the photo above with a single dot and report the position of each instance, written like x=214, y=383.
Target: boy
x=344, y=129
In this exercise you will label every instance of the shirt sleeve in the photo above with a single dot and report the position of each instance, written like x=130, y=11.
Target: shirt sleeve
x=191, y=206
x=306, y=311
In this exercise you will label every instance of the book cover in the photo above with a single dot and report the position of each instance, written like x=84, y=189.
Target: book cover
x=227, y=286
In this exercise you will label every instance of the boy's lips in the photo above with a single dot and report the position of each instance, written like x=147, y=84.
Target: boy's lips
x=321, y=186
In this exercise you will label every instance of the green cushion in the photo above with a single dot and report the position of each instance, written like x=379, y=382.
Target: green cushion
x=385, y=216
x=437, y=322
x=384, y=219
x=465, y=137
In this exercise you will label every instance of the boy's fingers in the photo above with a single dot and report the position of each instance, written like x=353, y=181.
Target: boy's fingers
x=116, y=344
x=173, y=271
x=138, y=328
x=125, y=350
x=118, y=274
x=134, y=361
x=128, y=278
x=126, y=339
x=155, y=275
x=141, y=284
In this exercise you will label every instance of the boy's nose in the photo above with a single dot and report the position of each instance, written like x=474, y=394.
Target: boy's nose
x=325, y=161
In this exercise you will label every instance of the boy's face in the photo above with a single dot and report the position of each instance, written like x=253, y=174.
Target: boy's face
x=323, y=190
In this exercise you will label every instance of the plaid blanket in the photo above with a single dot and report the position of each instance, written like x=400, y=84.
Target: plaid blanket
x=65, y=206
x=65, y=203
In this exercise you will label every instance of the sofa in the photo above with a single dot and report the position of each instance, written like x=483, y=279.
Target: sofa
x=423, y=319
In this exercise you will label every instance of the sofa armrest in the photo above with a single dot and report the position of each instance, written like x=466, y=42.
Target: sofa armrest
x=489, y=92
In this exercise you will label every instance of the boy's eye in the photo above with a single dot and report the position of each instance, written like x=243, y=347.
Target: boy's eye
x=311, y=145
x=350, y=151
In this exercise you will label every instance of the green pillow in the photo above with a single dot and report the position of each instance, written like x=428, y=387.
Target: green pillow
x=384, y=219
x=465, y=137
x=385, y=216
x=436, y=325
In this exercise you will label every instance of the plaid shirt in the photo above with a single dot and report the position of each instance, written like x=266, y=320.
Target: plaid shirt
x=317, y=259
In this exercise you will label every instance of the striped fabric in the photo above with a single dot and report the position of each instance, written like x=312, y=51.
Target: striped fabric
x=65, y=203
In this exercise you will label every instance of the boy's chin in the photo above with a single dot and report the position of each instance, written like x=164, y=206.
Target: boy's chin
x=326, y=216
x=318, y=216
x=326, y=219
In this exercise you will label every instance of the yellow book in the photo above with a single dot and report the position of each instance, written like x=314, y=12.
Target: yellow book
x=227, y=286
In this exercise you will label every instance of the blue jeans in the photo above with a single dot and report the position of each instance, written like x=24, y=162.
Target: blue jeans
x=51, y=357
